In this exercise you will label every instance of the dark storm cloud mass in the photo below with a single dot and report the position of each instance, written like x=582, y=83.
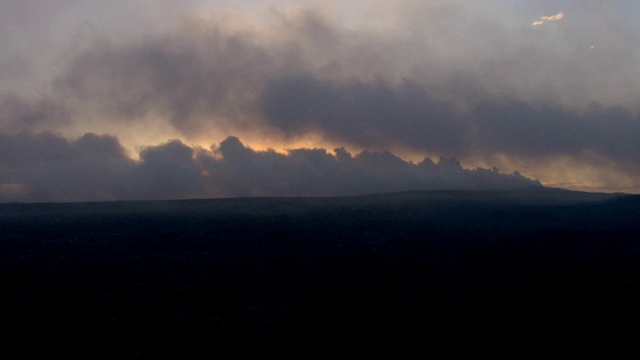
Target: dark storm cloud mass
x=366, y=114
x=378, y=114
x=449, y=79
x=243, y=171
x=212, y=78
x=47, y=167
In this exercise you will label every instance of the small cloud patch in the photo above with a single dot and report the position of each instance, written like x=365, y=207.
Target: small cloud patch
x=543, y=19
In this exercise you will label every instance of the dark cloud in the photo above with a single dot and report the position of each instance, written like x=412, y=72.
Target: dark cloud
x=46, y=167
x=168, y=171
x=367, y=114
x=543, y=130
x=378, y=114
x=50, y=168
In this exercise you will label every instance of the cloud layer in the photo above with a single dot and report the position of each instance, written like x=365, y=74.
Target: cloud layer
x=47, y=167
x=449, y=79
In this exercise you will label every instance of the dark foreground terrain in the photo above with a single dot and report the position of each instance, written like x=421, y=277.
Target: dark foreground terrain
x=305, y=277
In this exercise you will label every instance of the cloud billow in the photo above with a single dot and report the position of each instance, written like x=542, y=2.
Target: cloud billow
x=367, y=114
x=46, y=167
x=445, y=79
x=370, y=114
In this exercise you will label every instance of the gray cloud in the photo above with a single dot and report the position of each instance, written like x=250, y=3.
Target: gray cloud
x=379, y=114
x=46, y=167
x=182, y=81
x=21, y=114
x=168, y=171
x=427, y=77
x=365, y=114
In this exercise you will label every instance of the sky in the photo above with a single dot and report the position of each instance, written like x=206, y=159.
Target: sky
x=202, y=98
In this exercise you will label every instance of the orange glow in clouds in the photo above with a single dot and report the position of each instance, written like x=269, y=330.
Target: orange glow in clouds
x=543, y=19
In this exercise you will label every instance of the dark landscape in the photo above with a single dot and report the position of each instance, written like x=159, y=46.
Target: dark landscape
x=298, y=179
x=298, y=277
